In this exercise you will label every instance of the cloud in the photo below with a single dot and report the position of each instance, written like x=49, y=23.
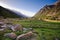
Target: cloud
x=2, y=0
x=25, y=12
x=4, y=5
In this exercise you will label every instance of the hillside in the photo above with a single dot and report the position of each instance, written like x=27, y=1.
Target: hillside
x=50, y=12
x=7, y=13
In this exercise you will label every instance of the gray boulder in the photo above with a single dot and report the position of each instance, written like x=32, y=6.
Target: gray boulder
x=17, y=27
x=3, y=27
x=26, y=36
x=10, y=35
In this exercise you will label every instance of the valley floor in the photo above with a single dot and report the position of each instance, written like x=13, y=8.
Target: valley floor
x=44, y=30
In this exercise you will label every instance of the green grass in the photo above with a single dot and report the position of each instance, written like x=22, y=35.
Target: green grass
x=38, y=23
x=47, y=34
x=8, y=31
x=45, y=30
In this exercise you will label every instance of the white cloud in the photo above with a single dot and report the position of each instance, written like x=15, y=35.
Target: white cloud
x=27, y=13
x=3, y=0
x=5, y=5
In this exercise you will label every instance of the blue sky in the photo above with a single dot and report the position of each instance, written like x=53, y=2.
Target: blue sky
x=29, y=7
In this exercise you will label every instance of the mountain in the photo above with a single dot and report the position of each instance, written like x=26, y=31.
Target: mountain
x=7, y=13
x=50, y=12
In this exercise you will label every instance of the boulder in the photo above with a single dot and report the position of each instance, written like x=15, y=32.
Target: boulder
x=14, y=27
x=2, y=27
x=10, y=35
x=1, y=23
x=17, y=27
x=26, y=36
x=27, y=29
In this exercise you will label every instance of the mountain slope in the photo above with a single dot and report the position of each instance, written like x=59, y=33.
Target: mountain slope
x=50, y=12
x=7, y=13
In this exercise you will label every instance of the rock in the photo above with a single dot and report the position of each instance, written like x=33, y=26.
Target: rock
x=10, y=26
x=31, y=29
x=14, y=27
x=4, y=26
x=26, y=36
x=27, y=29
x=10, y=35
x=1, y=29
x=17, y=27
x=1, y=23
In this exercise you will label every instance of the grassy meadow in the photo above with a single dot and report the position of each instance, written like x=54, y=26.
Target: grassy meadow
x=45, y=30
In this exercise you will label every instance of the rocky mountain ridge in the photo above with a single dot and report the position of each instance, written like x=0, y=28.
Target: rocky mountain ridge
x=51, y=12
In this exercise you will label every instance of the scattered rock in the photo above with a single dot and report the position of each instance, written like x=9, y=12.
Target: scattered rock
x=10, y=35
x=1, y=29
x=17, y=27
x=2, y=26
x=1, y=23
x=27, y=29
x=26, y=36
x=10, y=26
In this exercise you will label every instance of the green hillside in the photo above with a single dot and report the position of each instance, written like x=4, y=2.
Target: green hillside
x=7, y=13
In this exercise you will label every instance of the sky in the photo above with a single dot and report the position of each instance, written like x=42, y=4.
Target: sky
x=32, y=6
